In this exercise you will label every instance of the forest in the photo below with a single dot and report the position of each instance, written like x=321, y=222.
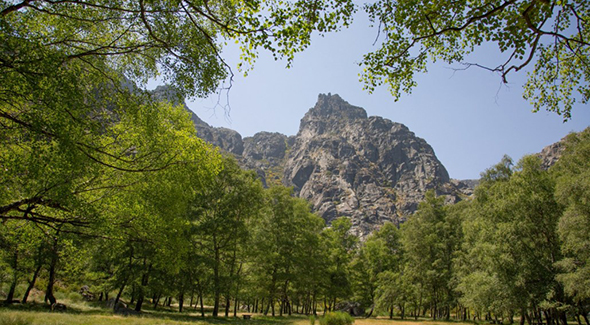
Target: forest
x=208, y=234
x=108, y=193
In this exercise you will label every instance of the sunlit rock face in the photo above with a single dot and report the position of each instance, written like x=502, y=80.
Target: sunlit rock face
x=369, y=169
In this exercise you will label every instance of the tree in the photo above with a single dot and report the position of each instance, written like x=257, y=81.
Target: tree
x=572, y=173
x=429, y=241
x=511, y=245
x=341, y=246
x=381, y=252
x=552, y=35
x=71, y=70
x=283, y=240
x=222, y=213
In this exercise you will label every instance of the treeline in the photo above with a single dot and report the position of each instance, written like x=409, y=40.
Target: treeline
x=518, y=249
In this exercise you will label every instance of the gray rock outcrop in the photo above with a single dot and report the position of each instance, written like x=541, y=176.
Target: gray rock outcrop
x=551, y=154
x=369, y=169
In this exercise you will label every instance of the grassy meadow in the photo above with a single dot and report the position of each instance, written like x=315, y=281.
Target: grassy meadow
x=84, y=313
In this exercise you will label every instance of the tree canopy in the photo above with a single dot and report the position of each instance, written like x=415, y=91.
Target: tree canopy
x=551, y=36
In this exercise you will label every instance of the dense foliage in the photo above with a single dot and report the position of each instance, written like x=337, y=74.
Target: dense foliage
x=516, y=250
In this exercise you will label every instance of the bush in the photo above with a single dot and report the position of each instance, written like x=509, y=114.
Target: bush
x=336, y=318
x=312, y=320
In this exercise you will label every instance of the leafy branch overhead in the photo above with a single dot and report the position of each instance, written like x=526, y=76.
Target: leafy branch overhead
x=74, y=112
x=550, y=38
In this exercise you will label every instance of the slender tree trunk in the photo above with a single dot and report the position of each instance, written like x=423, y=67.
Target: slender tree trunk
x=156, y=300
x=216, y=289
x=11, y=291
x=118, y=297
x=180, y=301
x=52, y=269
x=31, y=283
x=139, y=303
x=563, y=317
x=267, y=308
x=391, y=312
x=144, y=283
x=236, y=307
x=201, y=303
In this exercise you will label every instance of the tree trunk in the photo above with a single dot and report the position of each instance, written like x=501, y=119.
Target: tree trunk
x=391, y=312
x=144, y=283
x=201, y=303
x=227, y=305
x=31, y=283
x=139, y=303
x=52, y=266
x=10, y=295
x=180, y=301
x=156, y=300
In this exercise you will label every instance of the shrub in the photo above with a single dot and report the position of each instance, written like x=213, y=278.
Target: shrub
x=336, y=318
x=312, y=320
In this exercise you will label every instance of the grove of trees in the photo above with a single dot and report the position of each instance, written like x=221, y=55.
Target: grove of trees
x=101, y=184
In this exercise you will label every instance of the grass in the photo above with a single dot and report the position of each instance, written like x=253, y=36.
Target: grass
x=84, y=313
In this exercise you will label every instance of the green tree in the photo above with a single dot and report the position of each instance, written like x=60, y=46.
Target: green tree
x=380, y=252
x=551, y=35
x=511, y=245
x=221, y=216
x=341, y=246
x=282, y=240
x=429, y=241
x=573, y=191
x=71, y=70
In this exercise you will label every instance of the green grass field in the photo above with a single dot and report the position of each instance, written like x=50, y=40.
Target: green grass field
x=92, y=314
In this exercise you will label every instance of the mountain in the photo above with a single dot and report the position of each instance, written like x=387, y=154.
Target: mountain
x=345, y=163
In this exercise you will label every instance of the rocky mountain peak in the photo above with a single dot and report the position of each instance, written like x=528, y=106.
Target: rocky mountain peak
x=333, y=106
x=369, y=169
x=328, y=114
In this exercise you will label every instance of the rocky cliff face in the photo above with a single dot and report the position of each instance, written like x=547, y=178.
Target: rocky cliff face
x=345, y=163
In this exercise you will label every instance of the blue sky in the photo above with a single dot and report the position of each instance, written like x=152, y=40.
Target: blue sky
x=469, y=118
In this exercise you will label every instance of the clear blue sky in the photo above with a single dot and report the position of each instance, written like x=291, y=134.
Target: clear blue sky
x=469, y=118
